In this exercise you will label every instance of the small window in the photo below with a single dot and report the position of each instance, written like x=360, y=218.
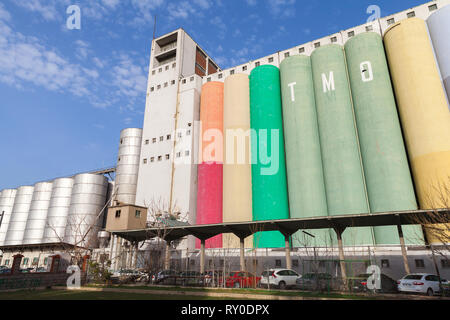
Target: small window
x=118, y=213
x=333, y=39
x=385, y=263
x=153, y=72
x=231, y=72
x=286, y=54
x=180, y=135
x=168, y=137
x=317, y=44
x=160, y=70
x=191, y=79
x=147, y=141
x=152, y=89
x=174, y=65
x=369, y=28
x=165, y=84
x=158, y=87
x=188, y=133
x=159, y=158
x=172, y=82
x=433, y=7
x=118, y=160
x=154, y=140
x=35, y=261
x=167, y=67
x=208, y=79
x=45, y=261
x=145, y=161
x=351, y=34
x=244, y=68
x=390, y=21
x=161, y=138
x=152, y=159
x=7, y=262
x=189, y=124
x=137, y=214
x=445, y=263
x=220, y=76
x=411, y=14
x=257, y=64
x=301, y=50
x=184, y=81
x=187, y=153
x=277, y=263
x=420, y=263
x=178, y=154
x=270, y=59
x=167, y=156
x=25, y=261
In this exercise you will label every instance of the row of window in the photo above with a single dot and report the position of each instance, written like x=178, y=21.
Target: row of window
x=167, y=157
x=25, y=261
x=168, y=137
x=165, y=85
x=166, y=68
x=137, y=214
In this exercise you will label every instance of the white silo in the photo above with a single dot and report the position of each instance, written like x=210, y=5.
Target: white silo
x=19, y=216
x=58, y=210
x=7, y=197
x=37, y=216
x=127, y=168
x=87, y=207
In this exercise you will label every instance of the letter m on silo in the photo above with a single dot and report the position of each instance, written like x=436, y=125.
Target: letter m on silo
x=328, y=83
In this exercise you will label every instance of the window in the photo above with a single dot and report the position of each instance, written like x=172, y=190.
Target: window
x=433, y=7
x=189, y=124
x=191, y=79
x=231, y=72
x=25, y=261
x=385, y=263
x=167, y=156
x=187, y=153
x=121, y=141
x=118, y=160
x=158, y=87
x=172, y=82
x=445, y=263
x=257, y=64
x=137, y=214
x=420, y=263
x=165, y=84
x=333, y=39
x=145, y=161
x=159, y=158
x=369, y=28
x=152, y=159
x=286, y=54
x=317, y=44
x=178, y=154
x=208, y=79
x=180, y=134
x=168, y=137
x=174, y=65
x=152, y=89
x=301, y=50
x=220, y=76
x=184, y=81
x=244, y=68
x=118, y=213
x=188, y=133
x=153, y=72
x=154, y=140
x=167, y=67
x=147, y=141
x=160, y=70
x=351, y=34
x=161, y=138
x=7, y=262
x=45, y=261
x=277, y=263
x=270, y=59
x=390, y=21
x=411, y=14
x=35, y=261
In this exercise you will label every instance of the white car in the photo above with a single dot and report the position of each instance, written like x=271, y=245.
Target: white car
x=419, y=283
x=281, y=278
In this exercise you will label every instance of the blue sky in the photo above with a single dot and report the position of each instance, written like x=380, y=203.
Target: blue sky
x=66, y=94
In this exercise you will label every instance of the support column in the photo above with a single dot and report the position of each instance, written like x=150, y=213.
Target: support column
x=403, y=247
x=288, y=252
x=111, y=254
x=202, y=256
x=167, y=257
x=242, y=254
x=136, y=252
x=339, y=232
x=117, y=254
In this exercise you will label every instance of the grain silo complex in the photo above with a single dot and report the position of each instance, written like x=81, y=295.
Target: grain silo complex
x=338, y=148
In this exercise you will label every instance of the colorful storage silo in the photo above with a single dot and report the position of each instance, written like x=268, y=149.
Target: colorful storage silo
x=237, y=171
x=7, y=197
x=388, y=178
x=307, y=197
x=210, y=170
x=439, y=28
x=423, y=109
x=269, y=186
x=343, y=173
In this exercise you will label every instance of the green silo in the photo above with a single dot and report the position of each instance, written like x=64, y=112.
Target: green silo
x=388, y=178
x=269, y=187
x=306, y=186
x=342, y=167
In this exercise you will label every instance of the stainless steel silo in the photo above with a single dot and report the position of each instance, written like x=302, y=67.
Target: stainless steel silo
x=128, y=165
x=19, y=216
x=37, y=216
x=58, y=210
x=85, y=212
x=7, y=197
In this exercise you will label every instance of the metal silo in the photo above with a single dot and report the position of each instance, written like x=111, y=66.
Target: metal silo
x=58, y=210
x=388, y=178
x=423, y=109
x=210, y=170
x=7, y=197
x=237, y=170
x=85, y=212
x=344, y=181
x=128, y=165
x=439, y=28
x=307, y=197
x=37, y=216
x=19, y=216
x=269, y=186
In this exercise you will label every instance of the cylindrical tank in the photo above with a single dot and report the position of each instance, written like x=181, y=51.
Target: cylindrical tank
x=269, y=185
x=344, y=181
x=439, y=28
x=58, y=210
x=85, y=212
x=7, y=197
x=210, y=170
x=37, y=217
x=127, y=168
x=237, y=170
x=307, y=197
x=423, y=109
x=19, y=216
x=388, y=178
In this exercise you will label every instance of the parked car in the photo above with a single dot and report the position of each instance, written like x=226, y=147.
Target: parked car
x=5, y=270
x=27, y=270
x=166, y=276
x=359, y=284
x=212, y=278
x=40, y=269
x=241, y=279
x=281, y=278
x=423, y=283
x=190, y=278
x=317, y=281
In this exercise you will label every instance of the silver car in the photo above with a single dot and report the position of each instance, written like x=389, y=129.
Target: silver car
x=424, y=283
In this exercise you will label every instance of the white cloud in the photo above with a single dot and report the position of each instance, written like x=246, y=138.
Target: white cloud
x=129, y=78
x=282, y=8
x=204, y=4
x=4, y=15
x=47, y=9
x=111, y=3
x=251, y=2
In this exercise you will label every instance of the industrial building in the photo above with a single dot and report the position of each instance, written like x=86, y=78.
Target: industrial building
x=359, y=121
